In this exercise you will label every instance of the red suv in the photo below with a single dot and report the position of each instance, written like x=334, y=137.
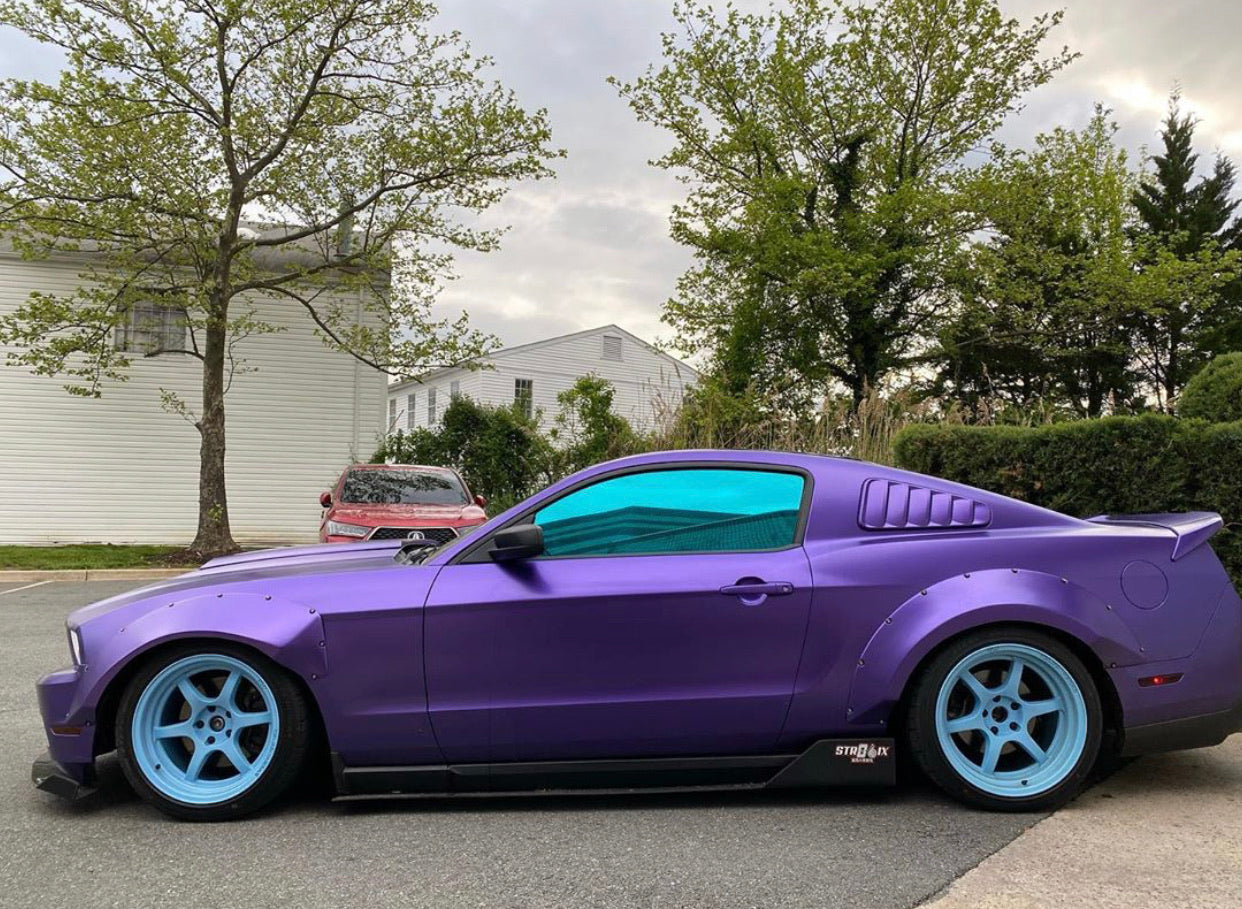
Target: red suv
x=399, y=502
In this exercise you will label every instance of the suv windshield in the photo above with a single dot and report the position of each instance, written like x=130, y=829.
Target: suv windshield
x=402, y=487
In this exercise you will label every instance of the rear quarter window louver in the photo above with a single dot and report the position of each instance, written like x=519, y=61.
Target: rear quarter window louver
x=891, y=505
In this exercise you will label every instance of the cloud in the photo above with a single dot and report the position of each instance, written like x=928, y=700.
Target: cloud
x=592, y=246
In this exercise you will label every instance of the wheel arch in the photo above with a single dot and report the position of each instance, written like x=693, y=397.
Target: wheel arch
x=918, y=629
x=1113, y=712
x=285, y=632
x=109, y=700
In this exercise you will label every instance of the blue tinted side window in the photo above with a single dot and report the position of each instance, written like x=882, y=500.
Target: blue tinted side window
x=690, y=510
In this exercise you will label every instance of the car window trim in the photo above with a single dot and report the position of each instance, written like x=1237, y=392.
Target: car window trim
x=478, y=552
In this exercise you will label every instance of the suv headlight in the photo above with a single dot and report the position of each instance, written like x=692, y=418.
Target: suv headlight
x=75, y=645
x=337, y=529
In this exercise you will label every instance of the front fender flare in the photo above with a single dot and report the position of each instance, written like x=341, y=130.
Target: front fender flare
x=963, y=602
x=287, y=632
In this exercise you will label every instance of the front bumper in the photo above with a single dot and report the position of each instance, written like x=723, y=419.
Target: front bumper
x=1201, y=731
x=51, y=776
x=67, y=768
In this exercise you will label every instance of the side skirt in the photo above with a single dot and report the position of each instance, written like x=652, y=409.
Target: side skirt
x=827, y=762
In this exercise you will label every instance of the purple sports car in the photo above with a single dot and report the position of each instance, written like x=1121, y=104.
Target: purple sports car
x=694, y=618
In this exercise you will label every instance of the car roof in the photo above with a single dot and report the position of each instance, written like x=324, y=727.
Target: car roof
x=431, y=468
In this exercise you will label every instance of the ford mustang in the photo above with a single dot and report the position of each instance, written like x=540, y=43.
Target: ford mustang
x=704, y=618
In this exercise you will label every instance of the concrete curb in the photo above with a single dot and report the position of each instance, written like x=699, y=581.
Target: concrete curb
x=1164, y=831
x=93, y=574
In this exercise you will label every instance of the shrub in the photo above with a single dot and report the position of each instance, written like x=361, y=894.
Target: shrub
x=587, y=431
x=1118, y=465
x=713, y=417
x=498, y=450
x=1215, y=392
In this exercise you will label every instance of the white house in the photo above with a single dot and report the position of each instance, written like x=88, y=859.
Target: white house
x=121, y=469
x=648, y=382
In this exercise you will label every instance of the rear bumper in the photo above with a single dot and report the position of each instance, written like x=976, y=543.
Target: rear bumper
x=1188, y=732
x=71, y=782
x=1204, y=706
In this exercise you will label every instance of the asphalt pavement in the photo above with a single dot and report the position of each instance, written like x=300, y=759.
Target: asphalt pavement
x=825, y=849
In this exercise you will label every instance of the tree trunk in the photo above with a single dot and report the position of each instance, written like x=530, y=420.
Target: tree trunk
x=214, y=536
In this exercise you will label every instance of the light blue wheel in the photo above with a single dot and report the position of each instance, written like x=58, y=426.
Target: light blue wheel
x=205, y=729
x=1011, y=720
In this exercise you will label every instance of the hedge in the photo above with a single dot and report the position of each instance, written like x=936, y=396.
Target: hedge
x=1215, y=392
x=1118, y=465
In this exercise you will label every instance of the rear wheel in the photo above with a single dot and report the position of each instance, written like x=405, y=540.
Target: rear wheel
x=1006, y=719
x=210, y=732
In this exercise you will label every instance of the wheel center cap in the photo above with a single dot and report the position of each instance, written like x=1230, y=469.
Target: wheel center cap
x=1000, y=714
x=216, y=723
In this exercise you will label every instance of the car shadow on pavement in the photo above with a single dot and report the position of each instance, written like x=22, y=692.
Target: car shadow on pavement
x=638, y=800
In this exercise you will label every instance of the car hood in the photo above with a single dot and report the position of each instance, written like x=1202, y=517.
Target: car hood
x=406, y=514
x=239, y=572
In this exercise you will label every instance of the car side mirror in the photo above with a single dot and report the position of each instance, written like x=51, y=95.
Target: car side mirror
x=513, y=543
x=481, y=501
x=325, y=499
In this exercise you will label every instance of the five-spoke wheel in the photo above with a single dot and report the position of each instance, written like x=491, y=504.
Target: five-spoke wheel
x=211, y=733
x=1006, y=719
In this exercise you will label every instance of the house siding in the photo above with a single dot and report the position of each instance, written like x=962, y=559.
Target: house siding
x=121, y=469
x=648, y=385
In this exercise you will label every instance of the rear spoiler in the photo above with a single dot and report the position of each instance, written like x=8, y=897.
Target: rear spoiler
x=1190, y=529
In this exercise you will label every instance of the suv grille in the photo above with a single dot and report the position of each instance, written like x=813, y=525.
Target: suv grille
x=435, y=534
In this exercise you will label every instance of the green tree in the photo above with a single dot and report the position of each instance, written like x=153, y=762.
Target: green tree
x=352, y=127
x=1187, y=245
x=588, y=429
x=824, y=144
x=1046, y=296
x=499, y=450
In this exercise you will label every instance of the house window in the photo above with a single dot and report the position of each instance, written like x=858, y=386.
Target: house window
x=392, y=414
x=454, y=389
x=150, y=328
x=431, y=406
x=524, y=396
x=612, y=347
x=410, y=401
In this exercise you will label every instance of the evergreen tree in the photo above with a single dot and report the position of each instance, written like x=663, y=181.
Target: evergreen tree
x=1186, y=242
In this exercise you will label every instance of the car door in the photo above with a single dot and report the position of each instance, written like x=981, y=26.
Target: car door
x=666, y=616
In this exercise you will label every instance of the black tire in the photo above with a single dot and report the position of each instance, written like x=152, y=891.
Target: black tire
x=924, y=742
x=287, y=761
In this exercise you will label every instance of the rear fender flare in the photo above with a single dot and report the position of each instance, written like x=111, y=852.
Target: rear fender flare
x=287, y=632
x=964, y=602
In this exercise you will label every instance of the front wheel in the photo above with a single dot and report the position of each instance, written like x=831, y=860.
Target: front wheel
x=1006, y=719
x=211, y=732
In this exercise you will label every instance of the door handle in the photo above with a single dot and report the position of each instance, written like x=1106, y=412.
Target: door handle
x=753, y=593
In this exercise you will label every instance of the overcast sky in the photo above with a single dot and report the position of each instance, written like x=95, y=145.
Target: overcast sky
x=592, y=246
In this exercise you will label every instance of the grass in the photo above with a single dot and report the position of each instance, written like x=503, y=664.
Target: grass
x=91, y=556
